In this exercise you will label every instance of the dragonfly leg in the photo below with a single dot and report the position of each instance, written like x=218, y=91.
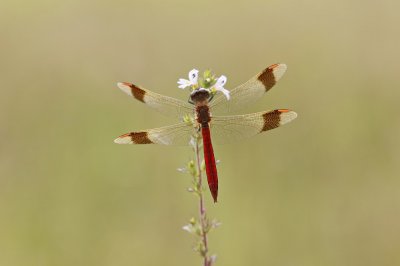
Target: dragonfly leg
x=190, y=101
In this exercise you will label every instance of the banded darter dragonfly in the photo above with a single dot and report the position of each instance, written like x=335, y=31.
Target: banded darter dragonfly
x=199, y=117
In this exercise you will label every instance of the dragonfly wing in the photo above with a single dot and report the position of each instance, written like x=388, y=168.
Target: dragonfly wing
x=163, y=104
x=250, y=91
x=178, y=134
x=225, y=129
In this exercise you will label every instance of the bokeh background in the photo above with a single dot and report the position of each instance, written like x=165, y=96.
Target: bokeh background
x=323, y=190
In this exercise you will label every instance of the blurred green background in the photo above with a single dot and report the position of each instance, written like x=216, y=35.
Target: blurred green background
x=323, y=190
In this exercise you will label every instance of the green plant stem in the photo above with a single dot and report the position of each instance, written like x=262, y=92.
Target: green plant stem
x=202, y=210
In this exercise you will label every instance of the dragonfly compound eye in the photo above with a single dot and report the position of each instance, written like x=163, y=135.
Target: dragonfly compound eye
x=200, y=95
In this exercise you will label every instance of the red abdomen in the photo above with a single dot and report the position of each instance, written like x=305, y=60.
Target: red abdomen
x=211, y=168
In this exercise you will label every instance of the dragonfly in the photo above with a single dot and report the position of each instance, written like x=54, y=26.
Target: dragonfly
x=209, y=116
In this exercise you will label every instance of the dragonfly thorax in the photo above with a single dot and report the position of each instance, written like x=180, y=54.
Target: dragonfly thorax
x=203, y=116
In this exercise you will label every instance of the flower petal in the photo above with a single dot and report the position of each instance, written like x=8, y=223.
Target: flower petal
x=224, y=91
x=193, y=76
x=183, y=83
x=188, y=228
x=220, y=82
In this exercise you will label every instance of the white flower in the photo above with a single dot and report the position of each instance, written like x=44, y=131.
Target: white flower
x=189, y=228
x=193, y=76
x=219, y=86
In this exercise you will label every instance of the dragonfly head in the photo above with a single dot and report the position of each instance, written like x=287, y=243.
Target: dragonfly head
x=200, y=96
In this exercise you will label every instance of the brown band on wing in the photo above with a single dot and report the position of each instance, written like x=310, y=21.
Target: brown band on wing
x=138, y=137
x=267, y=77
x=272, y=119
x=137, y=92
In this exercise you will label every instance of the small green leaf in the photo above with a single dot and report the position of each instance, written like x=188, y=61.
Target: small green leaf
x=203, y=165
x=188, y=119
x=207, y=74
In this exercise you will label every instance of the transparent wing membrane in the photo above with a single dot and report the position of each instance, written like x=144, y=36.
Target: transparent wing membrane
x=163, y=104
x=249, y=92
x=226, y=129
x=178, y=134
